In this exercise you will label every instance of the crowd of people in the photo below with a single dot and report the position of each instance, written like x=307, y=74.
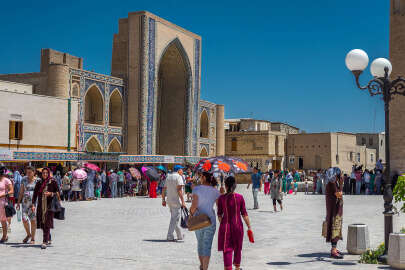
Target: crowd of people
x=33, y=193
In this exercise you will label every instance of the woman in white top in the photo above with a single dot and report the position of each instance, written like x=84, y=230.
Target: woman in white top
x=204, y=198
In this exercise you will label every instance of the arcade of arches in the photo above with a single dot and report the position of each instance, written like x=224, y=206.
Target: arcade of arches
x=93, y=145
x=115, y=109
x=204, y=124
x=173, y=84
x=115, y=146
x=93, y=111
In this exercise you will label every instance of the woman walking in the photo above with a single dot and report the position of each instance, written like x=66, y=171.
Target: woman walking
x=267, y=180
x=6, y=189
x=334, y=210
x=25, y=196
x=231, y=210
x=65, y=187
x=276, y=190
x=204, y=198
x=44, y=192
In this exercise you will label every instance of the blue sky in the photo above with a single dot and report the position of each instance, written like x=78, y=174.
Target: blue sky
x=273, y=60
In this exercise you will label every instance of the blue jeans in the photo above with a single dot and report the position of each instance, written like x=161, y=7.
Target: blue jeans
x=204, y=240
x=114, y=189
x=255, y=191
x=358, y=187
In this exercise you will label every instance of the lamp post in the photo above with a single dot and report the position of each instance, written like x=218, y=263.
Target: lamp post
x=356, y=62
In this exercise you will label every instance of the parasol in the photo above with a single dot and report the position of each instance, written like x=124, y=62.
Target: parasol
x=79, y=174
x=151, y=173
x=92, y=166
x=222, y=164
x=135, y=173
x=161, y=167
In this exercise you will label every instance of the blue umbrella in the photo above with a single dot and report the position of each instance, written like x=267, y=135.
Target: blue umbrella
x=162, y=168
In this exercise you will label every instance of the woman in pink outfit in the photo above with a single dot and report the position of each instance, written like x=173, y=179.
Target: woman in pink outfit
x=231, y=210
x=6, y=187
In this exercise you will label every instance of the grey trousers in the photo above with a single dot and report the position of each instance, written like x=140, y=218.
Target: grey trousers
x=174, y=223
x=255, y=191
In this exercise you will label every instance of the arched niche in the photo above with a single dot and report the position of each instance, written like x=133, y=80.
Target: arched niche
x=115, y=109
x=93, y=106
x=115, y=146
x=204, y=128
x=93, y=145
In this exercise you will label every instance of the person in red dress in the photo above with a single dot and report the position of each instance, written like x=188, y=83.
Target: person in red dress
x=231, y=210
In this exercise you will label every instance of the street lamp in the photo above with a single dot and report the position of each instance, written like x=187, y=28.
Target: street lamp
x=356, y=62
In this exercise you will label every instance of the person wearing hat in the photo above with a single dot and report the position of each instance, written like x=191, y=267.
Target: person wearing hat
x=173, y=190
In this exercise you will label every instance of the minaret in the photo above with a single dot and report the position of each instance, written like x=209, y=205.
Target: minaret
x=397, y=106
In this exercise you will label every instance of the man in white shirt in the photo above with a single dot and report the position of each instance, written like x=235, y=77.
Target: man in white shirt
x=173, y=189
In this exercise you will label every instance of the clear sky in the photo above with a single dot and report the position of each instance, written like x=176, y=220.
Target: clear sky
x=273, y=60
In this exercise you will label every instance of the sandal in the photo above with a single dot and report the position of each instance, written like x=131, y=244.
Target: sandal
x=26, y=239
x=336, y=255
x=3, y=240
x=32, y=242
x=43, y=246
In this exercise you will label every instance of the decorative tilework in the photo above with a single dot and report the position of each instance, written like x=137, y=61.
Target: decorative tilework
x=100, y=85
x=93, y=128
x=206, y=146
x=151, y=85
x=115, y=130
x=196, y=98
x=158, y=159
x=112, y=87
x=65, y=156
x=99, y=136
x=96, y=76
x=144, y=86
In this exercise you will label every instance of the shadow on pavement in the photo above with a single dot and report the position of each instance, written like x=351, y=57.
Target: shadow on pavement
x=315, y=255
x=385, y=267
x=344, y=263
x=157, y=241
x=22, y=245
x=279, y=263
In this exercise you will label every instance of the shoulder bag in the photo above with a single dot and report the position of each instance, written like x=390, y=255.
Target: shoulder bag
x=184, y=218
x=9, y=209
x=198, y=222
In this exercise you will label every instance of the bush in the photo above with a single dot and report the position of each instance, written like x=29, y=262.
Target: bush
x=371, y=256
x=399, y=192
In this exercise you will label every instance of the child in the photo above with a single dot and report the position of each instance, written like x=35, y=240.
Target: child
x=295, y=187
x=306, y=187
x=98, y=189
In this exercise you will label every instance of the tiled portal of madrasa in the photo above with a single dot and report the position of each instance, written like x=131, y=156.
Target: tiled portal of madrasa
x=150, y=106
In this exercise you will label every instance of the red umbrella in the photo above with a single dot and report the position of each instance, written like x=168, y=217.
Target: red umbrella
x=92, y=166
x=222, y=164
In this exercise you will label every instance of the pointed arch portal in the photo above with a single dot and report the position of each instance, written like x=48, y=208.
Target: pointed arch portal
x=115, y=146
x=173, y=84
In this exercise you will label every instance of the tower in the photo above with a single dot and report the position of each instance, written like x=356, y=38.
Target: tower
x=397, y=106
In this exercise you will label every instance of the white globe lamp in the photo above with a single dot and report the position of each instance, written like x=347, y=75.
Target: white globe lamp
x=378, y=66
x=356, y=60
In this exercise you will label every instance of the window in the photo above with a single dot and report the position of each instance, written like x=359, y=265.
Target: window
x=234, y=144
x=370, y=141
x=292, y=160
x=75, y=90
x=337, y=159
x=363, y=141
x=258, y=127
x=358, y=157
x=381, y=142
x=15, y=130
x=372, y=157
x=351, y=156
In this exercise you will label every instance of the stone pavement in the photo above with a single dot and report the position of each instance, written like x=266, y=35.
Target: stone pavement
x=130, y=233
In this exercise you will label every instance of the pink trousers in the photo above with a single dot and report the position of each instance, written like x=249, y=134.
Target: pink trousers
x=267, y=188
x=237, y=256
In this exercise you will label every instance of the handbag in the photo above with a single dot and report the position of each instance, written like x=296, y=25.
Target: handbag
x=324, y=228
x=184, y=218
x=60, y=214
x=55, y=205
x=198, y=222
x=9, y=208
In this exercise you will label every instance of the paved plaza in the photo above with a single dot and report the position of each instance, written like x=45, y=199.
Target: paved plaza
x=130, y=233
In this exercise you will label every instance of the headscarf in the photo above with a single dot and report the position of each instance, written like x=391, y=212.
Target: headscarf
x=331, y=174
x=45, y=181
